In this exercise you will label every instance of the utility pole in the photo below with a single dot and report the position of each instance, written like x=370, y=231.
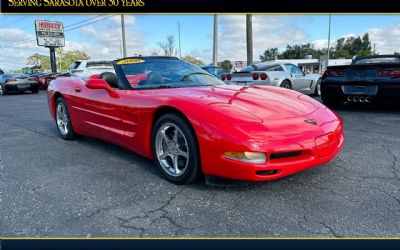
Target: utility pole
x=179, y=37
x=329, y=39
x=249, y=38
x=123, y=35
x=215, y=41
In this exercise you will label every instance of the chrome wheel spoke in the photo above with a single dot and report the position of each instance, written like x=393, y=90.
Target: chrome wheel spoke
x=163, y=156
x=165, y=137
x=175, y=138
x=176, y=166
x=183, y=154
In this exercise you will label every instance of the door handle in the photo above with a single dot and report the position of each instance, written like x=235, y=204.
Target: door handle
x=78, y=90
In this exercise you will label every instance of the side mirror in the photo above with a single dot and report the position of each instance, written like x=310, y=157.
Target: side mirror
x=101, y=84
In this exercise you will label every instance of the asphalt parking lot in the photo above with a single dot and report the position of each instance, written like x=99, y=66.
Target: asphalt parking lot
x=88, y=188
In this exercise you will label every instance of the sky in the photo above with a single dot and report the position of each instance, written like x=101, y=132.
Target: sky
x=100, y=35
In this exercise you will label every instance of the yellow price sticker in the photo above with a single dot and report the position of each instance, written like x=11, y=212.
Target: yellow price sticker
x=130, y=61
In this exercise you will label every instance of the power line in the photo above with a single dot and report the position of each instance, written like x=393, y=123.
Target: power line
x=90, y=23
x=77, y=27
x=19, y=19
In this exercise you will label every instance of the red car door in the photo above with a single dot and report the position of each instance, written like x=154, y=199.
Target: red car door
x=101, y=115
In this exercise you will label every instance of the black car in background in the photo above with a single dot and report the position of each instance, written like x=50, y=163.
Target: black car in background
x=369, y=79
x=18, y=83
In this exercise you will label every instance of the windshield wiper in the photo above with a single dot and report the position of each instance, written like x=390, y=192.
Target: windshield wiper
x=186, y=77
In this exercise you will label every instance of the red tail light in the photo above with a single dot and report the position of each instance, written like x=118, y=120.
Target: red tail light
x=334, y=72
x=255, y=76
x=392, y=72
x=228, y=77
x=11, y=80
x=223, y=77
x=263, y=76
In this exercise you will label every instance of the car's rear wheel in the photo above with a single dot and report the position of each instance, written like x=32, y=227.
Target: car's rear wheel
x=317, y=91
x=286, y=84
x=175, y=149
x=63, y=120
x=2, y=91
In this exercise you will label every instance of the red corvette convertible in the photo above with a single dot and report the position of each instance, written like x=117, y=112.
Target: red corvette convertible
x=191, y=123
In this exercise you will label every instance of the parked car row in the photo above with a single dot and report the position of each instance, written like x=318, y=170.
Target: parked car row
x=285, y=75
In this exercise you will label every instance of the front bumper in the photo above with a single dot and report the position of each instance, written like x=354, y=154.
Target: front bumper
x=285, y=155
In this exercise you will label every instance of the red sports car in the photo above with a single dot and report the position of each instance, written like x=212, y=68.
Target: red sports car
x=191, y=123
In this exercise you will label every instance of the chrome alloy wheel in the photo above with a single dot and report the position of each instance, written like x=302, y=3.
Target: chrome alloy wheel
x=62, y=119
x=1, y=90
x=172, y=149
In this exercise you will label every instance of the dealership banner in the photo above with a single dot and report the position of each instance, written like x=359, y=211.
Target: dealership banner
x=199, y=6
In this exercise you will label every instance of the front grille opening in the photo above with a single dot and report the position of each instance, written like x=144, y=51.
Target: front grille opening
x=275, y=156
x=266, y=172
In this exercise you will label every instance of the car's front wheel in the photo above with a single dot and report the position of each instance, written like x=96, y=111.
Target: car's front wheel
x=175, y=149
x=63, y=120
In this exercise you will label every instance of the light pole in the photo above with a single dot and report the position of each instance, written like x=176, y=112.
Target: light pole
x=179, y=37
x=123, y=35
x=249, y=38
x=215, y=41
x=329, y=38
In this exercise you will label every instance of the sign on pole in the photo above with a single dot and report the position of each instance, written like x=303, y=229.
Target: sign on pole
x=51, y=35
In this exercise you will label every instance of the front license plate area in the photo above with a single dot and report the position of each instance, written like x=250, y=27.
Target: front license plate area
x=370, y=90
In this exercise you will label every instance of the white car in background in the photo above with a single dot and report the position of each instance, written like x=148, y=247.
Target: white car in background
x=86, y=68
x=285, y=75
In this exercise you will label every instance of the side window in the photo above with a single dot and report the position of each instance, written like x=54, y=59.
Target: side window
x=293, y=69
x=296, y=70
x=75, y=65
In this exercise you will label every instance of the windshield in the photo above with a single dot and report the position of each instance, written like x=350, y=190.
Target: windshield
x=164, y=72
x=378, y=60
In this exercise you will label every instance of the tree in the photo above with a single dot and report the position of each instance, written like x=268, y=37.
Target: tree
x=39, y=60
x=169, y=46
x=353, y=46
x=269, y=54
x=69, y=57
x=226, y=65
x=192, y=60
x=64, y=59
x=300, y=51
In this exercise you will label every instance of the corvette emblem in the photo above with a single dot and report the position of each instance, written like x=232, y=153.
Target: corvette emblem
x=311, y=121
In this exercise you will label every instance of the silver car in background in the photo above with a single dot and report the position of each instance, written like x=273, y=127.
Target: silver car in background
x=14, y=83
x=86, y=68
x=285, y=75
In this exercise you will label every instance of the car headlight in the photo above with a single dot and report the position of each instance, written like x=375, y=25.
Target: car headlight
x=249, y=157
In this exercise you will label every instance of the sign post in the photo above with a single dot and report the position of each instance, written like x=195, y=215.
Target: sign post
x=50, y=34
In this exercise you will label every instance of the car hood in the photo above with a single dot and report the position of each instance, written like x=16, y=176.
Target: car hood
x=253, y=103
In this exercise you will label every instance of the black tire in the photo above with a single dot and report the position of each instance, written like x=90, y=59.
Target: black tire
x=70, y=135
x=2, y=90
x=318, y=87
x=286, y=84
x=193, y=169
